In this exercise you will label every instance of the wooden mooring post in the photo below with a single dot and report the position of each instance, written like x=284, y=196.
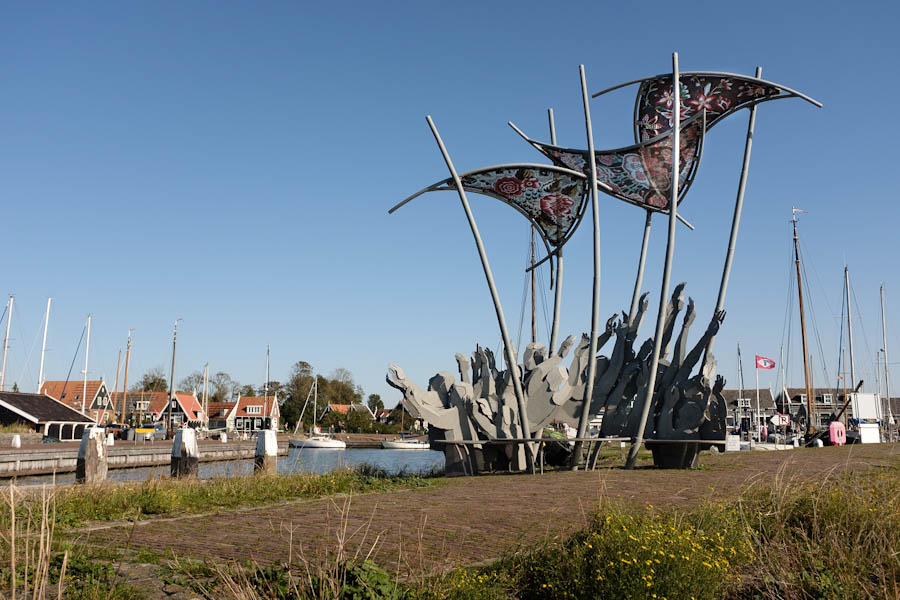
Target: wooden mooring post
x=185, y=454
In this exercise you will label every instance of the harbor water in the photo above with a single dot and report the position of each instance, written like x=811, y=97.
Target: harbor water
x=298, y=460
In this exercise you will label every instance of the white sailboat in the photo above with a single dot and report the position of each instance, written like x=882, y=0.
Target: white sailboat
x=405, y=444
x=316, y=439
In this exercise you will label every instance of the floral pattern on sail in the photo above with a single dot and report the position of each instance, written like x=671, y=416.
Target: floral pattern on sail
x=718, y=95
x=553, y=199
x=639, y=174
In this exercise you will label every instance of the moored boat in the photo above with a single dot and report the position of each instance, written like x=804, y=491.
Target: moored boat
x=405, y=444
x=317, y=441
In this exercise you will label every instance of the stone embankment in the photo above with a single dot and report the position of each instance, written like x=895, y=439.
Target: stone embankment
x=44, y=459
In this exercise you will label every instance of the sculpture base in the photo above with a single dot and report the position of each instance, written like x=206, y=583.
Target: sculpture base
x=679, y=455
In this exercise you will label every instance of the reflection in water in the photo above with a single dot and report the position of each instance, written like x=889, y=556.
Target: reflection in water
x=306, y=460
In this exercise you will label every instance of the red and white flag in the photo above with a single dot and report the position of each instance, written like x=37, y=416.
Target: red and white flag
x=764, y=363
x=797, y=210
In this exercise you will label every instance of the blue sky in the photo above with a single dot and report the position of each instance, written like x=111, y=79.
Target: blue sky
x=232, y=164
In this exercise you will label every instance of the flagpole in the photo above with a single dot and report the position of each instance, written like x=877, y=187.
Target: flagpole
x=740, y=383
x=595, y=305
x=511, y=358
x=758, y=428
x=736, y=219
x=667, y=268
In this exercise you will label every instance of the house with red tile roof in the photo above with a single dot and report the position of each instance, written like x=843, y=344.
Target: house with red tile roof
x=254, y=413
x=221, y=416
x=137, y=405
x=93, y=400
x=186, y=409
x=345, y=409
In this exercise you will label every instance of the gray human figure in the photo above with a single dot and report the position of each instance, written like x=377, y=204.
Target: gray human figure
x=713, y=426
x=427, y=405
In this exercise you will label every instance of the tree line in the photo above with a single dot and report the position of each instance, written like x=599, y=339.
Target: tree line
x=294, y=395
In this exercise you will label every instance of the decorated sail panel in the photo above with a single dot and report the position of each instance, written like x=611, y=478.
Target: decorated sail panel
x=553, y=199
x=639, y=174
x=717, y=94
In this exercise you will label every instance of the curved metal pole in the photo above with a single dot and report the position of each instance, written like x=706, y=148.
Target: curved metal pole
x=595, y=306
x=511, y=359
x=557, y=298
x=667, y=269
x=714, y=74
x=639, y=280
x=736, y=219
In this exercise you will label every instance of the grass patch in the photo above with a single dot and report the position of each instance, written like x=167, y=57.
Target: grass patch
x=15, y=428
x=836, y=538
x=76, y=505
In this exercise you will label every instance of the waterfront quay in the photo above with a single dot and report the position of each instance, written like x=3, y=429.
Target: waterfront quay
x=46, y=459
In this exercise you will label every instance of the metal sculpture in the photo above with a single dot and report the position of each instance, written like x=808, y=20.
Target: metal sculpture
x=643, y=394
x=687, y=412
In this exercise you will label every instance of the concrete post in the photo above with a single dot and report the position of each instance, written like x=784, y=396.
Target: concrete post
x=266, y=457
x=185, y=454
x=92, y=456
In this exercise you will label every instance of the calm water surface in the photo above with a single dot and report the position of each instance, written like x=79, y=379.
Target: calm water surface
x=305, y=460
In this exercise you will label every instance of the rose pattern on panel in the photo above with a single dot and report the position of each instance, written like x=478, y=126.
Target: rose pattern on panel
x=717, y=95
x=552, y=200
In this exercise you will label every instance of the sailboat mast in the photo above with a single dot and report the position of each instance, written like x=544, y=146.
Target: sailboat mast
x=206, y=393
x=844, y=379
x=849, y=325
x=125, y=386
x=87, y=354
x=9, y=308
x=115, y=389
x=809, y=398
x=266, y=387
x=44, y=347
x=887, y=365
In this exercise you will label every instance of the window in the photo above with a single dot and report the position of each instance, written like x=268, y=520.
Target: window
x=802, y=398
x=827, y=398
x=743, y=402
x=239, y=423
x=254, y=410
x=142, y=405
x=259, y=423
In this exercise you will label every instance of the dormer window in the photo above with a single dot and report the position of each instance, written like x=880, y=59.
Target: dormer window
x=254, y=410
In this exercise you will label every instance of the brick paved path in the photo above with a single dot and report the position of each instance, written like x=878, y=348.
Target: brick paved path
x=468, y=520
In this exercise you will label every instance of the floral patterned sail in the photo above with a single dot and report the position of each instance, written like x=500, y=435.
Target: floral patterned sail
x=719, y=94
x=552, y=198
x=639, y=174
